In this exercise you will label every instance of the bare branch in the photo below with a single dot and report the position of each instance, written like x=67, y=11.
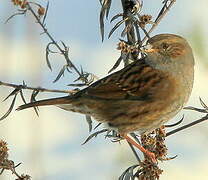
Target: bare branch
x=187, y=125
x=36, y=89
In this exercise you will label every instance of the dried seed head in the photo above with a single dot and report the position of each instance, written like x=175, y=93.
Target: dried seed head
x=144, y=20
x=126, y=48
x=23, y=4
x=41, y=11
x=121, y=45
x=3, y=150
x=16, y=2
x=147, y=171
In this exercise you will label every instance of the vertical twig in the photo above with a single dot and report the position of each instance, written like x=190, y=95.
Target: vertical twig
x=159, y=18
x=131, y=35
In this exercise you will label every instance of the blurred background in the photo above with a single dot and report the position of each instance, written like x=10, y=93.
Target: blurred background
x=49, y=146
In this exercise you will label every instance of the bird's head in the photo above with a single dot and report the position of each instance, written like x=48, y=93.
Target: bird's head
x=169, y=49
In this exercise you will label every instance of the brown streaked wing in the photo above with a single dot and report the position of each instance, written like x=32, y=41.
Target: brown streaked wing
x=135, y=81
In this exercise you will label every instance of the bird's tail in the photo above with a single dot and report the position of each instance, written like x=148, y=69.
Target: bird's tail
x=46, y=102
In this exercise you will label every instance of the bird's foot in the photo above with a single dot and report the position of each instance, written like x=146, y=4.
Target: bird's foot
x=149, y=154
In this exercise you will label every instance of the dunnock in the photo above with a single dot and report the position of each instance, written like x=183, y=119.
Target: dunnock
x=143, y=95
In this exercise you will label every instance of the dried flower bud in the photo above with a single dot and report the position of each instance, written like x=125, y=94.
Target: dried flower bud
x=121, y=45
x=23, y=4
x=19, y=2
x=41, y=11
x=3, y=150
x=145, y=19
x=16, y=2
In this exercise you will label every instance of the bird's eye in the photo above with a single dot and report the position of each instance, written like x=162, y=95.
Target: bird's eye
x=164, y=46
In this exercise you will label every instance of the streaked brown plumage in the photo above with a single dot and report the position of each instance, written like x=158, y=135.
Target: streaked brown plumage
x=143, y=95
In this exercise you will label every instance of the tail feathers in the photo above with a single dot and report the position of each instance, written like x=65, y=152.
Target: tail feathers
x=46, y=102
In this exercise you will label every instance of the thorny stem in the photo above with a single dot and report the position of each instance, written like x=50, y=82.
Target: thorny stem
x=155, y=24
x=65, y=53
x=37, y=89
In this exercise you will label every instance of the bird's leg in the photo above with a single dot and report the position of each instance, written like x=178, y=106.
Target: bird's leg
x=149, y=154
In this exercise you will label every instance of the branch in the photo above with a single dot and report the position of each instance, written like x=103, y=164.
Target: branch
x=40, y=89
x=187, y=125
x=160, y=16
x=40, y=16
x=63, y=52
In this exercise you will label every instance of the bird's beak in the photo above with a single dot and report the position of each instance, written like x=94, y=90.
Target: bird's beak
x=149, y=49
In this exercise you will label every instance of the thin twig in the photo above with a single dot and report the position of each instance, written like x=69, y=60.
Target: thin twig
x=187, y=125
x=135, y=153
x=36, y=89
x=155, y=24
x=63, y=52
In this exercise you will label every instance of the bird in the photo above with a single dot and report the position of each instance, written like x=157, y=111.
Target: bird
x=142, y=96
